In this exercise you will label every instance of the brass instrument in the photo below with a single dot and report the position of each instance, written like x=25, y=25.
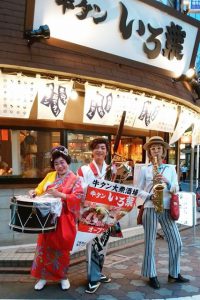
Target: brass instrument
x=123, y=171
x=118, y=170
x=158, y=188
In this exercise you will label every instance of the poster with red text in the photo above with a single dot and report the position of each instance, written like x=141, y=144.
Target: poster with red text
x=105, y=204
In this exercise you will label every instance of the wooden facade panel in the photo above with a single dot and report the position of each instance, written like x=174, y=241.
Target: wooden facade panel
x=13, y=5
x=13, y=19
x=14, y=51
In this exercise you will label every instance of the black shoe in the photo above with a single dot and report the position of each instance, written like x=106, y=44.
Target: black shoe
x=179, y=279
x=154, y=283
x=105, y=279
x=92, y=287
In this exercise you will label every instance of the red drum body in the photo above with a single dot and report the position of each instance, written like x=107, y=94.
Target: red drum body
x=33, y=215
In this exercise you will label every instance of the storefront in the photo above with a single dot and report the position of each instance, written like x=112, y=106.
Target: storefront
x=113, y=57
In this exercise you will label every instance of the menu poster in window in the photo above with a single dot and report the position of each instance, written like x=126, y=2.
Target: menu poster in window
x=185, y=120
x=99, y=106
x=17, y=94
x=105, y=204
x=53, y=96
x=152, y=114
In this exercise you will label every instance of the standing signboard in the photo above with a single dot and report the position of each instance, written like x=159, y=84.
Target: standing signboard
x=187, y=203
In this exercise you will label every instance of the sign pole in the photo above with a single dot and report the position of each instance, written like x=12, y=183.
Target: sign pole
x=194, y=199
x=191, y=169
x=194, y=216
x=197, y=167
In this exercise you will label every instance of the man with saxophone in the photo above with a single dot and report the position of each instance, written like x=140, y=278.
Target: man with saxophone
x=157, y=182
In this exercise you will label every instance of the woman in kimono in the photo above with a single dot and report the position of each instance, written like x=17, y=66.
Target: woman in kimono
x=51, y=260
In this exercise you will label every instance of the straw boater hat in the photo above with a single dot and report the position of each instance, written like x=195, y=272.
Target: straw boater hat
x=155, y=140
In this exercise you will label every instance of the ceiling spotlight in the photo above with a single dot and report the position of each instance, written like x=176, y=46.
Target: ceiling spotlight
x=190, y=73
x=191, y=82
x=196, y=87
x=185, y=77
x=185, y=6
x=43, y=32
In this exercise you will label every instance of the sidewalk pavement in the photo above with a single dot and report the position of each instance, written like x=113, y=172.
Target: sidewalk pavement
x=19, y=258
x=123, y=265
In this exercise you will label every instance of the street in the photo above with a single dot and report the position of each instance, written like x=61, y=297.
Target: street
x=124, y=268
x=123, y=265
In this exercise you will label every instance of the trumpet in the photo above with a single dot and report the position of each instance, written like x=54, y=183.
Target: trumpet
x=158, y=188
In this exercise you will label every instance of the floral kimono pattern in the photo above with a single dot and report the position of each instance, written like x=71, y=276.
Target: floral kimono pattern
x=52, y=255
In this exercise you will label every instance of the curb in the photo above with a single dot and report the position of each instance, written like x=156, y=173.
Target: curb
x=22, y=266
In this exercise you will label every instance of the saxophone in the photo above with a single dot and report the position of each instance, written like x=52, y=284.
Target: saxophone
x=158, y=188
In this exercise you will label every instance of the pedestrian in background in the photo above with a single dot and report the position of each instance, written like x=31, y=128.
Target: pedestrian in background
x=184, y=170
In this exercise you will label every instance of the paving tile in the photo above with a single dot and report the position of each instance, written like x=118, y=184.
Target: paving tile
x=186, y=268
x=163, y=262
x=135, y=295
x=120, y=267
x=137, y=272
x=182, y=298
x=185, y=260
x=137, y=282
x=117, y=275
x=163, y=270
x=113, y=286
x=106, y=297
x=191, y=278
x=165, y=255
x=164, y=292
x=190, y=288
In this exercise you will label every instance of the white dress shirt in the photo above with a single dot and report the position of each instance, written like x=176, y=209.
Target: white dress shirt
x=88, y=174
x=145, y=183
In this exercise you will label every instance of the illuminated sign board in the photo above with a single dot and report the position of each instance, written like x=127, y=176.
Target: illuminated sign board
x=121, y=29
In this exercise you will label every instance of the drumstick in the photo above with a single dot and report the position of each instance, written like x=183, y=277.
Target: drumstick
x=119, y=133
x=116, y=144
x=33, y=195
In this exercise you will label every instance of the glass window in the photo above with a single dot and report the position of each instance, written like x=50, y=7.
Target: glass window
x=26, y=153
x=130, y=151
x=130, y=148
x=78, y=146
x=168, y=2
x=172, y=155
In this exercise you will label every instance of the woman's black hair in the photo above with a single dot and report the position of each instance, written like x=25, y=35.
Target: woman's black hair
x=98, y=141
x=57, y=152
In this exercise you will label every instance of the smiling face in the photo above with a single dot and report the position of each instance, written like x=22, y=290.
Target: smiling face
x=156, y=150
x=99, y=152
x=60, y=165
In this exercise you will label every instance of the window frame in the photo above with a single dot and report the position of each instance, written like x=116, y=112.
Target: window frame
x=14, y=179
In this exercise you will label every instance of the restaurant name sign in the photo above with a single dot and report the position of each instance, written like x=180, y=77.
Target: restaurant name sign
x=122, y=29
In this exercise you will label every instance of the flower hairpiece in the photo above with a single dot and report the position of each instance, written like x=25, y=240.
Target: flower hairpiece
x=60, y=149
